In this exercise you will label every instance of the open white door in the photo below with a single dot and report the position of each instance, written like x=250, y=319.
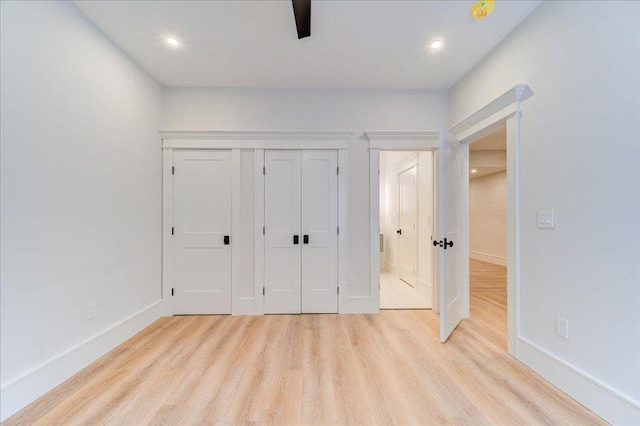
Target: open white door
x=453, y=256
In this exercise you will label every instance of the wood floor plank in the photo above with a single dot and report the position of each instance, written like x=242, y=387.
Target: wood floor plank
x=388, y=368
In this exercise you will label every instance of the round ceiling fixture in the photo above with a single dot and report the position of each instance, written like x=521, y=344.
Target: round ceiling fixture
x=436, y=44
x=171, y=41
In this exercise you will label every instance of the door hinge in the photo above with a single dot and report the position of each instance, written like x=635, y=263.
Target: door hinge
x=338, y=291
x=338, y=230
x=264, y=170
x=172, y=292
x=338, y=170
x=263, y=291
x=172, y=230
x=378, y=172
x=263, y=230
x=173, y=170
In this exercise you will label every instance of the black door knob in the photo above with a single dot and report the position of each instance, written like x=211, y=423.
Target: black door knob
x=295, y=239
x=226, y=240
x=305, y=239
x=445, y=244
x=399, y=231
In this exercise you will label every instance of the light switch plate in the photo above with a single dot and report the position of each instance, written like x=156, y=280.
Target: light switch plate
x=562, y=327
x=546, y=219
x=91, y=310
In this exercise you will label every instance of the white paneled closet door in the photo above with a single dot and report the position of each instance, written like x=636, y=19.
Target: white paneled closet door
x=320, y=231
x=202, y=250
x=282, y=232
x=301, y=231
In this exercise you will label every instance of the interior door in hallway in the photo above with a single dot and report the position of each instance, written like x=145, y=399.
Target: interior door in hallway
x=202, y=232
x=282, y=206
x=320, y=231
x=453, y=250
x=407, y=226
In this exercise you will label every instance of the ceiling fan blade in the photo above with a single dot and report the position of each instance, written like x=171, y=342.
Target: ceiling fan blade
x=302, y=13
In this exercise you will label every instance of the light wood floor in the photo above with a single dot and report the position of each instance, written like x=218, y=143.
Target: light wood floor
x=323, y=369
x=396, y=294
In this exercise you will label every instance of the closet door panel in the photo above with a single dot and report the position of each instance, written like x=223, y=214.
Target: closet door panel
x=202, y=213
x=320, y=223
x=282, y=222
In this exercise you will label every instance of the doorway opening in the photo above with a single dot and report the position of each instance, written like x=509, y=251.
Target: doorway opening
x=406, y=226
x=488, y=230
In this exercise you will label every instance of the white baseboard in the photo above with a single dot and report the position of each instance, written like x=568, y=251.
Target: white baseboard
x=426, y=290
x=486, y=257
x=607, y=402
x=359, y=305
x=390, y=268
x=246, y=307
x=17, y=393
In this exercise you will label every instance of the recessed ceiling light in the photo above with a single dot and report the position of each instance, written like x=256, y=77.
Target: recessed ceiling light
x=172, y=41
x=474, y=170
x=437, y=44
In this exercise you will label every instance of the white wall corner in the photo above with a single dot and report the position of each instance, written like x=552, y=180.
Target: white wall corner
x=21, y=391
x=607, y=402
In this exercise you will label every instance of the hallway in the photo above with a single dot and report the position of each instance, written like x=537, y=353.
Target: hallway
x=396, y=294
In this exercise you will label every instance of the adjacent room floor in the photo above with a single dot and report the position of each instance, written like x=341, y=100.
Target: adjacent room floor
x=396, y=294
x=310, y=369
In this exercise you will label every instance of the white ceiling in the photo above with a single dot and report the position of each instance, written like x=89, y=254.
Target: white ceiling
x=353, y=44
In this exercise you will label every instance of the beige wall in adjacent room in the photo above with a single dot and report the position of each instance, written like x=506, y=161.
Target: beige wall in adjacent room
x=488, y=218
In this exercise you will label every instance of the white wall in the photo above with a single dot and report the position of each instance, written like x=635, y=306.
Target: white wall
x=488, y=218
x=382, y=200
x=307, y=110
x=581, y=158
x=81, y=188
x=425, y=223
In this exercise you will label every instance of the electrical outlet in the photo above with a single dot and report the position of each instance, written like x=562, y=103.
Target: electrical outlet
x=562, y=328
x=352, y=280
x=546, y=219
x=91, y=310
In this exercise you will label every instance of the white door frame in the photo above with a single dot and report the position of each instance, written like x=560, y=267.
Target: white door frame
x=387, y=141
x=482, y=122
x=237, y=142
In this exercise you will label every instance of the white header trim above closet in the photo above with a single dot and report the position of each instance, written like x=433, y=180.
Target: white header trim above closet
x=403, y=140
x=229, y=139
